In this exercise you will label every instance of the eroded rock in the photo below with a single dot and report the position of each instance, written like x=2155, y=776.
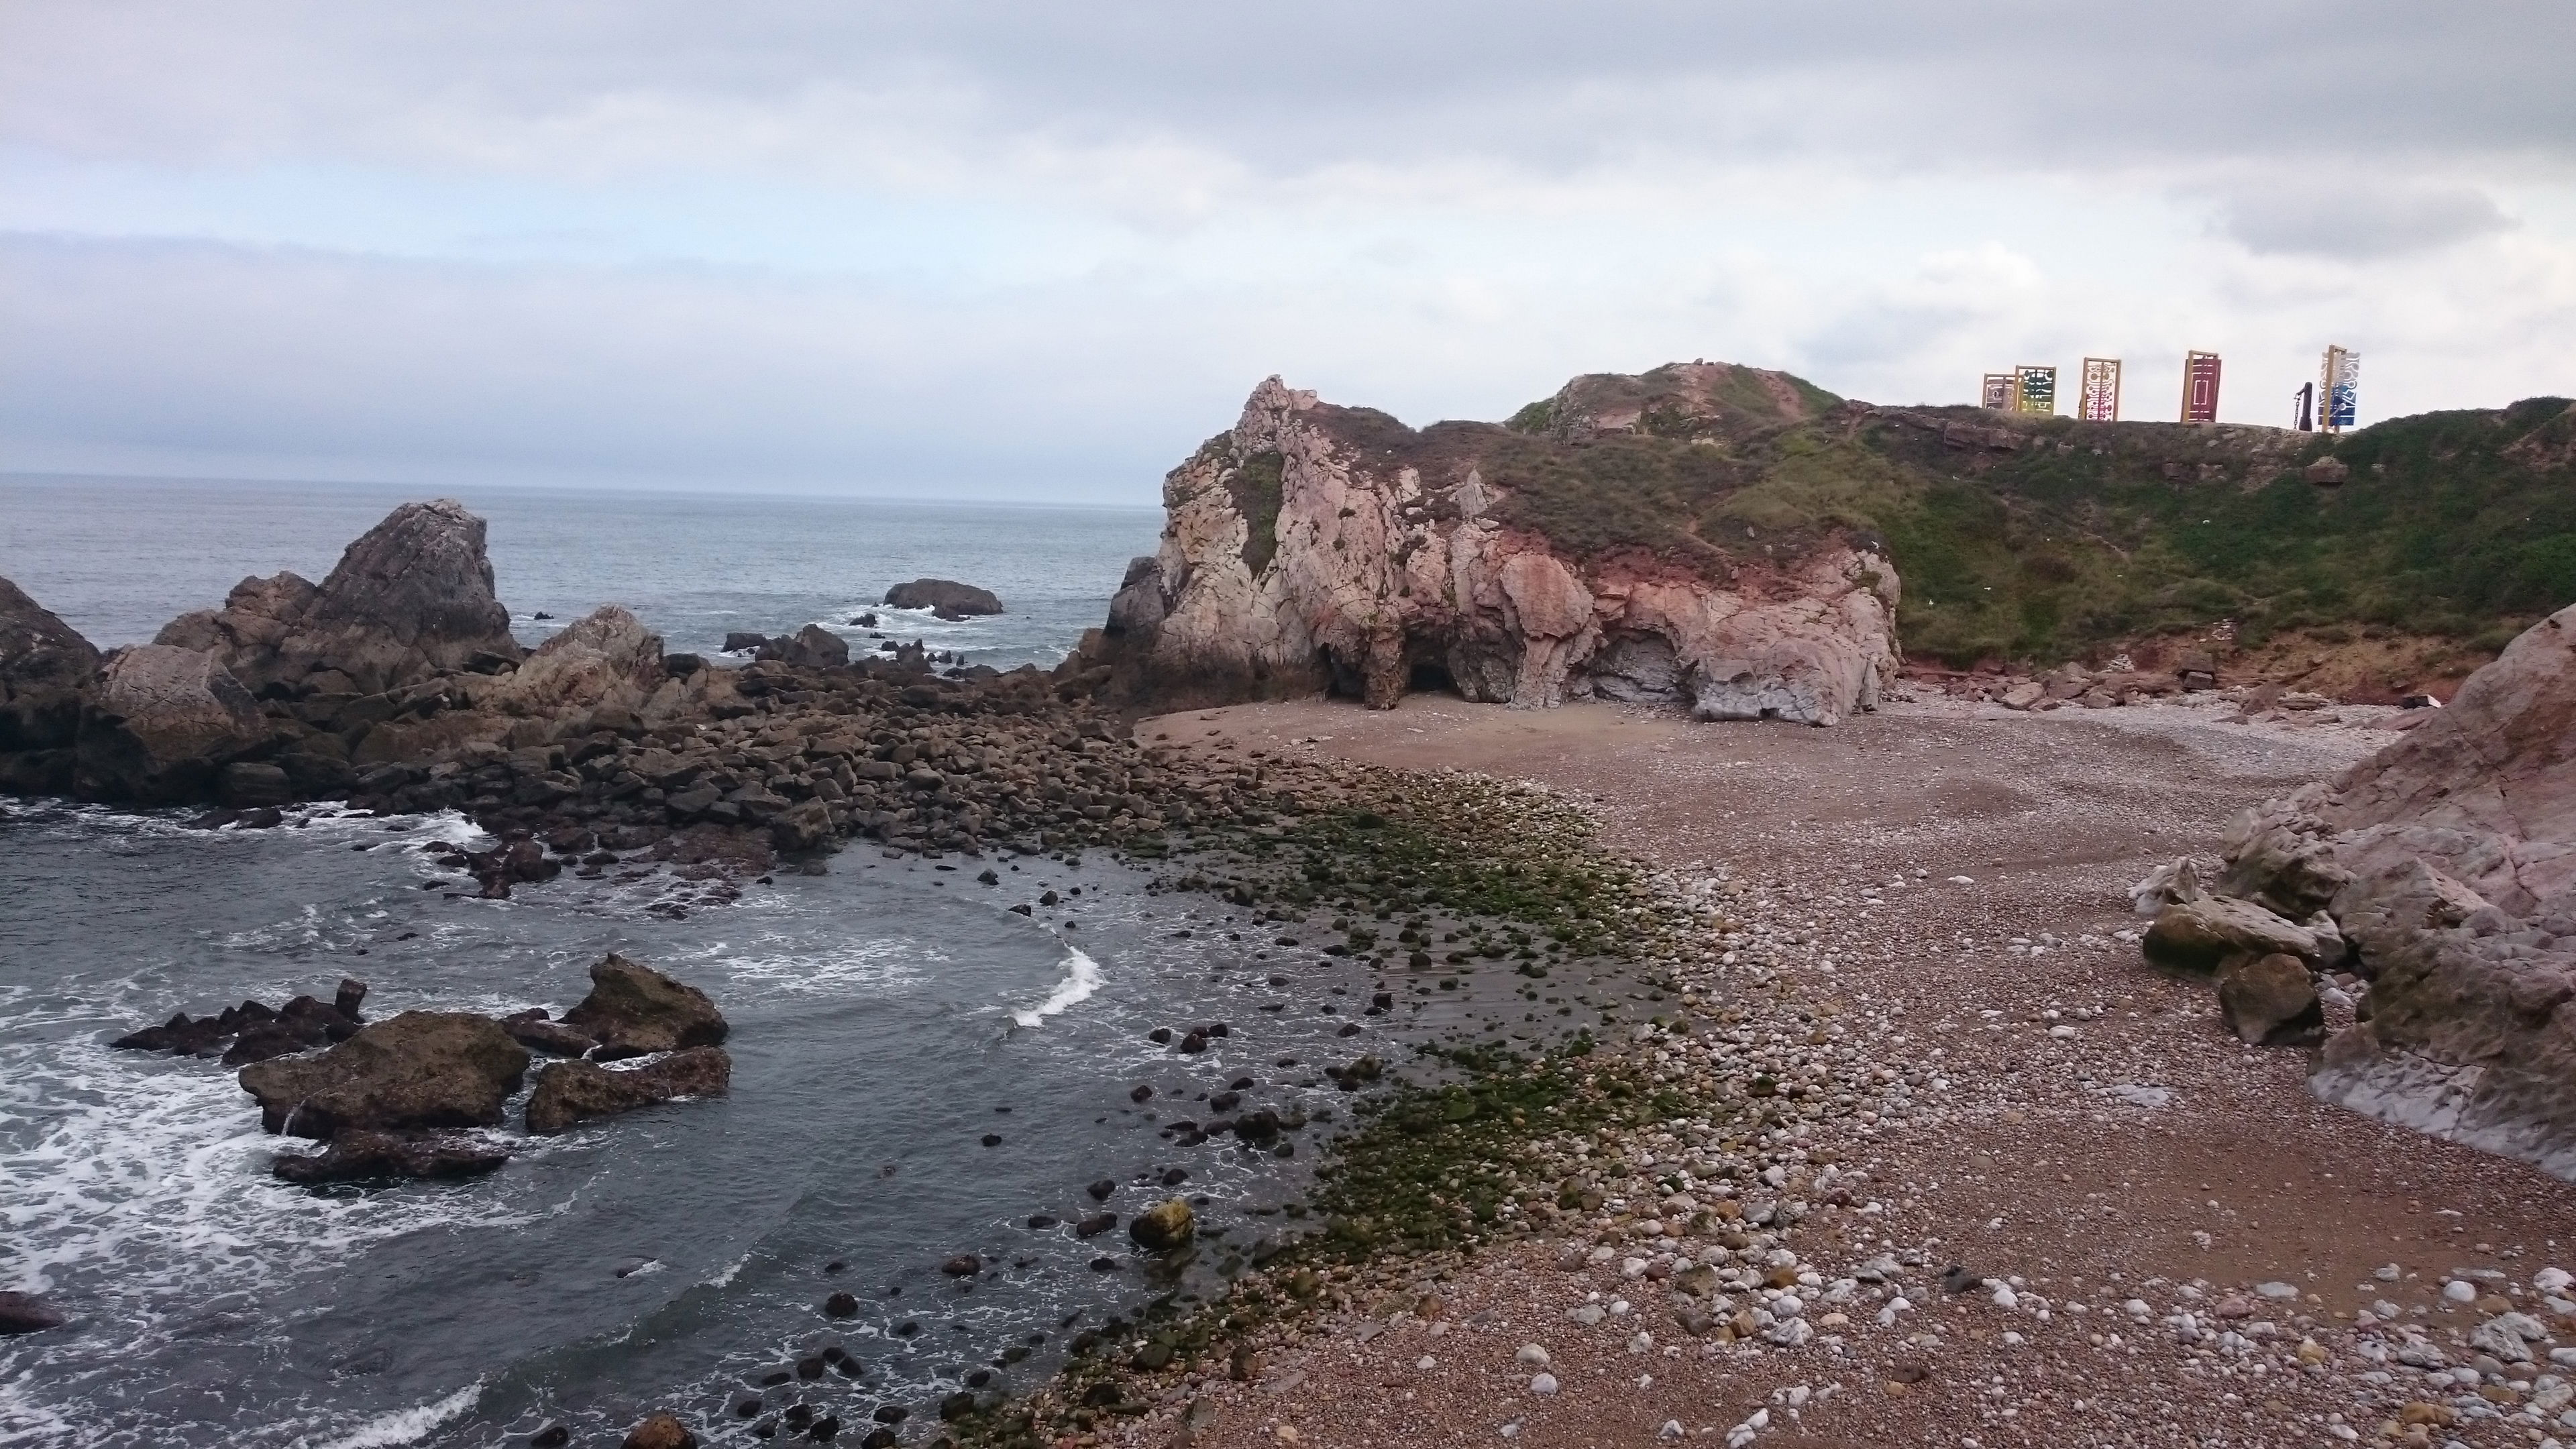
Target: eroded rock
x=634, y=1009
x=569, y=1093
x=363, y=1156
x=416, y=1071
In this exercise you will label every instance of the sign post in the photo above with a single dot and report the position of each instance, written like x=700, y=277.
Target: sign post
x=2336, y=399
x=2100, y=400
x=2200, y=387
x=2035, y=390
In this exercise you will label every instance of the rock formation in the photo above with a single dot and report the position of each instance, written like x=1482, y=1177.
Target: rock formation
x=569, y=1093
x=945, y=597
x=411, y=599
x=2448, y=860
x=44, y=666
x=633, y=1010
x=162, y=722
x=1314, y=547
x=419, y=1070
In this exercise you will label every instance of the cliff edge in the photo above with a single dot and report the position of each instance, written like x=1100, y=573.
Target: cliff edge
x=1314, y=548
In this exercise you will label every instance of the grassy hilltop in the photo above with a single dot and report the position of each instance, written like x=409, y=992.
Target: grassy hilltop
x=2043, y=540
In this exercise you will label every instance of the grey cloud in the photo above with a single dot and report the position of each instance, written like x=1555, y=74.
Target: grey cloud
x=2359, y=221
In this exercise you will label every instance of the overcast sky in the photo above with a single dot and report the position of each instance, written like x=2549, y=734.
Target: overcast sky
x=1040, y=251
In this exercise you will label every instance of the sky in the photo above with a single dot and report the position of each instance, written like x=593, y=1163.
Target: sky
x=987, y=251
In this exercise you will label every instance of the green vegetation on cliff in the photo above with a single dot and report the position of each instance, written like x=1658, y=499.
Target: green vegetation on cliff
x=2049, y=539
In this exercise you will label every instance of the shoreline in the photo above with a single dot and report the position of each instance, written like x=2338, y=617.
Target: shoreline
x=2074, y=1134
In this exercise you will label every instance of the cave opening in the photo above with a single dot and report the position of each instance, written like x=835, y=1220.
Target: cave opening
x=1429, y=676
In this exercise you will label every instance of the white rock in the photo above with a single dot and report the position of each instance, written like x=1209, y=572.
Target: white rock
x=2005, y=1298
x=1671, y=1430
x=2276, y=1290
x=2553, y=1280
x=2460, y=1290
x=1963, y=880
x=2389, y=1274
x=1643, y=1342
x=1426, y=1362
x=1543, y=1383
x=1587, y=1314
x=2062, y=1033
x=1533, y=1355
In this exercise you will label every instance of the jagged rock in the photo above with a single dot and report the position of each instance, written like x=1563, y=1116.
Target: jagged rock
x=411, y=599
x=162, y=723
x=44, y=664
x=812, y=647
x=363, y=1156
x=635, y=1009
x=2270, y=1001
x=532, y=1030
x=2448, y=860
x=418, y=1070
x=607, y=657
x=27, y=1313
x=2203, y=936
x=1314, y=547
x=1167, y=1224
x=573, y=1092
x=944, y=597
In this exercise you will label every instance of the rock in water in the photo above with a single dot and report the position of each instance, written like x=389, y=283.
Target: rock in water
x=2271, y=1001
x=1167, y=1224
x=2448, y=860
x=419, y=1070
x=812, y=647
x=44, y=665
x=660, y=1431
x=410, y=599
x=361, y=1156
x=635, y=1009
x=162, y=723
x=572, y=1092
x=944, y=597
x=27, y=1313
x=1315, y=547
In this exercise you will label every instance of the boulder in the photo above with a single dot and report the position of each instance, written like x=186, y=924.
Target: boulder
x=363, y=1156
x=660, y=1431
x=2201, y=937
x=2270, y=1001
x=532, y=1030
x=606, y=658
x=162, y=723
x=573, y=1092
x=2448, y=860
x=944, y=597
x=634, y=1009
x=27, y=1313
x=418, y=1070
x=812, y=647
x=44, y=665
x=412, y=598
x=1167, y=1224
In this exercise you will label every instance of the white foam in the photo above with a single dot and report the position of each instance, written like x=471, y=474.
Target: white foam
x=1082, y=977
x=406, y=1426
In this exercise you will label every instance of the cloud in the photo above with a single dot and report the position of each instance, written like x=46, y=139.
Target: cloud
x=2359, y=221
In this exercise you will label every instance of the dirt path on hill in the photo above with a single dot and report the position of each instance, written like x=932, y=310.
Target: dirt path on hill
x=2095, y=1138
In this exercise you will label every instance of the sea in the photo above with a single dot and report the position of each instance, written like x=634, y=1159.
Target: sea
x=919, y=1071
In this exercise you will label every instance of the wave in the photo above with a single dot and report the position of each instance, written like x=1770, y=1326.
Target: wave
x=1082, y=977
x=406, y=1426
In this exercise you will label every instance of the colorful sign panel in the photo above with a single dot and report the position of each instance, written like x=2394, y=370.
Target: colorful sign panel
x=2099, y=402
x=2338, y=402
x=2035, y=390
x=1996, y=391
x=2200, y=387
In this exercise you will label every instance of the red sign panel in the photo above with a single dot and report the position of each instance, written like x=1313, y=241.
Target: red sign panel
x=2200, y=387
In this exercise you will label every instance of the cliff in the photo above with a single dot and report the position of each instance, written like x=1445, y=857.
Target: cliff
x=1313, y=547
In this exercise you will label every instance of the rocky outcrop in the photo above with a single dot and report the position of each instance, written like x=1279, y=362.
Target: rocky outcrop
x=411, y=599
x=161, y=725
x=945, y=597
x=633, y=1010
x=1315, y=548
x=419, y=1070
x=606, y=658
x=2449, y=862
x=44, y=665
x=569, y=1093
x=362, y=1156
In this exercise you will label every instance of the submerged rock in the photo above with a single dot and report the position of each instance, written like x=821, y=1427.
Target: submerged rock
x=363, y=1156
x=944, y=597
x=418, y=1070
x=27, y=1313
x=634, y=1009
x=569, y=1093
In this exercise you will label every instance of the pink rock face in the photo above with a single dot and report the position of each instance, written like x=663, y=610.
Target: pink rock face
x=1314, y=548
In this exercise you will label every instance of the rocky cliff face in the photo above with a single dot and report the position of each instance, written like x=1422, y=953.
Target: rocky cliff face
x=44, y=666
x=2449, y=862
x=1313, y=548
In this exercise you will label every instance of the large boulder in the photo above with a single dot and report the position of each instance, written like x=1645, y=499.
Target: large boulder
x=1316, y=548
x=419, y=1070
x=573, y=1092
x=607, y=657
x=412, y=598
x=945, y=597
x=162, y=724
x=44, y=664
x=2270, y=1001
x=1167, y=1224
x=812, y=647
x=2202, y=937
x=2448, y=860
x=634, y=1010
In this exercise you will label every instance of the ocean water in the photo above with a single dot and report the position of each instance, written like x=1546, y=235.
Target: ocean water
x=118, y=558
x=887, y=1016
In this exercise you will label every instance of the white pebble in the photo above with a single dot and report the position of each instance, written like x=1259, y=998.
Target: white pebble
x=1533, y=1355
x=1426, y=1362
x=2460, y=1291
x=1543, y=1384
x=2553, y=1280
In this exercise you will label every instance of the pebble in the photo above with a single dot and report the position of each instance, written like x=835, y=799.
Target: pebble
x=1542, y=1383
x=2460, y=1291
x=1533, y=1355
